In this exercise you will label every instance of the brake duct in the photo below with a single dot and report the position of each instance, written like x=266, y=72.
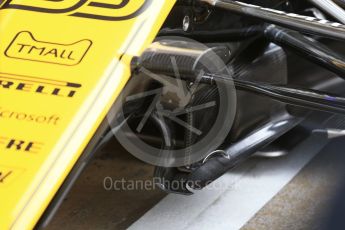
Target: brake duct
x=217, y=164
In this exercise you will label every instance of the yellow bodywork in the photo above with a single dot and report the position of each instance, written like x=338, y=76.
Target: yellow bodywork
x=62, y=65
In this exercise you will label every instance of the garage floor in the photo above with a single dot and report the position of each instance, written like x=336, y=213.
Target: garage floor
x=304, y=203
x=292, y=192
x=90, y=206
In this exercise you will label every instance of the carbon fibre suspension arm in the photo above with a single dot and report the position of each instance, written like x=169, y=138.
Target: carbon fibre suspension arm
x=304, y=24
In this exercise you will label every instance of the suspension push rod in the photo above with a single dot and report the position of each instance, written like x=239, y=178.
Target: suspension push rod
x=304, y=24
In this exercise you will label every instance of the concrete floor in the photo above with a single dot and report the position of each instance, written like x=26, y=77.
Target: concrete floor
x=301, y=204
x=90, y=206
x=306, y=201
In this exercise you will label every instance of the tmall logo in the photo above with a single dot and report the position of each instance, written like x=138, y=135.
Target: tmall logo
x=26, y=47
x=109, y=10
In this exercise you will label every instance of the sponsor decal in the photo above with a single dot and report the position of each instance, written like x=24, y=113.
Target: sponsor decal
x=39, y=86
x=26, y=47
x=9, y=114
x=8, y=174
x=20, y=145
x=108, y=10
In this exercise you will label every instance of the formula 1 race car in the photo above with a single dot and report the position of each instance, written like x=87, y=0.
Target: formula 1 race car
x=193, y=87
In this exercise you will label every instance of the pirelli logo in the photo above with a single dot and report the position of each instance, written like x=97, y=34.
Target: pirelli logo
x=108, y=10
x=38, y=86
